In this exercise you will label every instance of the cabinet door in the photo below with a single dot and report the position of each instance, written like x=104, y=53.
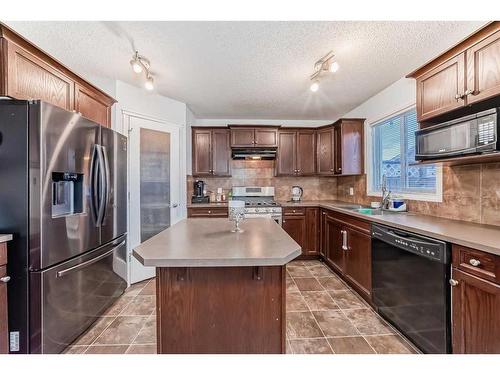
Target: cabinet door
x=349, y=144
x=325, y=152
x=333, y=244
x=442, y=89
x=475, y=315
x=92, y=105
x=483, y=69
x=28, y=77
x=202, y=155
x=306, y=156
x=295, y=226
x=4, y=347
x=266, y=137
x=244, y=137
x=286, y=157
x=337, y=149
x=221, y=152
x=312, y=231
x=322, y=233
x=358, y=263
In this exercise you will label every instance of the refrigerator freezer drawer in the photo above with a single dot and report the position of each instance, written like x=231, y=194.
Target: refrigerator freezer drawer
x=73, y=294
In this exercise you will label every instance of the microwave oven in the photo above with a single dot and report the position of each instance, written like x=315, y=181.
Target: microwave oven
x=473, y=134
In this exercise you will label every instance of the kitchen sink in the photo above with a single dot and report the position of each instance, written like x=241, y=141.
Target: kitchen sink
x=378, y=211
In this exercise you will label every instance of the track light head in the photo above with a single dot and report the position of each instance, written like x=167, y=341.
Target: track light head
x=149, y=83
x=314, y=86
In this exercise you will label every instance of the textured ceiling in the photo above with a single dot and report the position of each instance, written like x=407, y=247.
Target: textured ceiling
x=251, y=69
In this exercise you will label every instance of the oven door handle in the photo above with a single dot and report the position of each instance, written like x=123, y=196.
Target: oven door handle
x=469, y=150
x=89, y=262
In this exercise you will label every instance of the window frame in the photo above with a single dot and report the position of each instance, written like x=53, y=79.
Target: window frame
x=437, y=196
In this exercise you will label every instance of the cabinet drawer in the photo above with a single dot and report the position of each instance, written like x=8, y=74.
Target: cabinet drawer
x=207, y=212
x=294, y=211
x=351, y=221
x=3, y=254
x=476, y=262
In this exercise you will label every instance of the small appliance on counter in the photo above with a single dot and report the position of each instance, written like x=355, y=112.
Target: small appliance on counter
x=397, y=204
x=199, y=193
x=297, y=193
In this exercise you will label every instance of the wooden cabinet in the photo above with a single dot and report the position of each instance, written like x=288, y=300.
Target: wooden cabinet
x=348, y=147
x=466, y=74
x=311, y=245
x=296, y=152
x=475, y=301
x=211, y=152
x=295, y=226
x=29, y=73
x=325, y=154
x=4, y=331
x=207, y=212
x=249, y=137
x=322, y=233
x=302, y=224
x=347, y=244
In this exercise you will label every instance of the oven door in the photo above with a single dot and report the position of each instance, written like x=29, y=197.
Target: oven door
x=276, y=217
x=447, y=140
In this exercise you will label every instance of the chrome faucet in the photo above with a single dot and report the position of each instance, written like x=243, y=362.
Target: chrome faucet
x=386, y=194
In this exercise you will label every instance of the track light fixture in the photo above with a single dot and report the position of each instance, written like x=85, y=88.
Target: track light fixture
x=139, y=64
x=325, y=64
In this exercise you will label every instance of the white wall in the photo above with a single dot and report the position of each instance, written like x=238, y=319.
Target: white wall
x=399, y=95
x=190, y=121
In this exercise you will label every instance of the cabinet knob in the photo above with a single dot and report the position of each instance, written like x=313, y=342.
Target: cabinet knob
x=474, y=262
x=5, y=279
x=453, y=282
x=468, y=92
x=331, y=170
x=209, y=211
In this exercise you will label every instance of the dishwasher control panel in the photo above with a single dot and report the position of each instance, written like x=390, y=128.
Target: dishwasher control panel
x=424, y=246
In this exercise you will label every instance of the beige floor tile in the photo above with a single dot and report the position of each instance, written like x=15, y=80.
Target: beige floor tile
x=367, y=322
x=310, y=346
x=319, y=301
x=136, y=288
x=122, y=331
x=334, y=323
x=75, y=349
x=149, y=289
x=295, y=302
x=140, y=305
x=332, y=283
x=291, y=286
x=350, y=345
x=302, y=325
x=107, y=349
x=320, y=270
x=119, y=305
x=389, y=344
x=308, y=284
x=94, y=331
x=299, y=271
x=147, y=334
x=347, y=299
x=142, y=349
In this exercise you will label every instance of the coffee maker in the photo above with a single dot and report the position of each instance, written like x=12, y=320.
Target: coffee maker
x=199, y=193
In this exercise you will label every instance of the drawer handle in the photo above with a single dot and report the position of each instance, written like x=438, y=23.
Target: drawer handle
x=453, y=282
x=474, y=262
x=5, y=279
x=209, y=211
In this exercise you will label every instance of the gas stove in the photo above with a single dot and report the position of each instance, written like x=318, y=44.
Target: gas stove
x=259, y=201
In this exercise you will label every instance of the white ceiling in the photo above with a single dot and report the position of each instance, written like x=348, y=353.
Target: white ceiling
x=257, y=70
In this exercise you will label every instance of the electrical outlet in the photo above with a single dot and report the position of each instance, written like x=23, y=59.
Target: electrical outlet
x=351, y=191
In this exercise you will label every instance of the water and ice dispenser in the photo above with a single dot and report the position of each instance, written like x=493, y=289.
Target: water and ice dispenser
x=67, y=193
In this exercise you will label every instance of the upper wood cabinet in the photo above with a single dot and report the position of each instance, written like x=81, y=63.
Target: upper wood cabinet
x=296, y=152
x=249, y=136
x=211, y=152
x=466, y=74
x=325, y=154
x=29, y=73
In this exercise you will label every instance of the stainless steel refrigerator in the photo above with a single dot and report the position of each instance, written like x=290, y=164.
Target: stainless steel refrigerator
x=63, y=196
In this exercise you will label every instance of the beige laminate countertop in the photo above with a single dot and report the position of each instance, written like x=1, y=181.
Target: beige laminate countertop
x=5, y=237
x=478, y=236
x=210, y=243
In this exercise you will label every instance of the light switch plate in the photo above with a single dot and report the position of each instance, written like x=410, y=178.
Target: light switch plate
x=351, y=191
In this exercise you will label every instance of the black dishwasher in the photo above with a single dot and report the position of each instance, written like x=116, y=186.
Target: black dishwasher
x=410, y=286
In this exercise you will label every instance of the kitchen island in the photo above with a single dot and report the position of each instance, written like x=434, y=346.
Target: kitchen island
x=218, y=291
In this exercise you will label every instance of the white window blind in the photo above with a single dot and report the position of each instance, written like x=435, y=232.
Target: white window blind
x=393, y=155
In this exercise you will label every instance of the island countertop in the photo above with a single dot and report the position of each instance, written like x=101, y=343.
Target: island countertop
x=210, y=243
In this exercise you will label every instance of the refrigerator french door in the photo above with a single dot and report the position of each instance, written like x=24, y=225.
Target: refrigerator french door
x=65, y=203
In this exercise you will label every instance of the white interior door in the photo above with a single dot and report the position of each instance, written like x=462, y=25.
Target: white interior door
x=154, y=184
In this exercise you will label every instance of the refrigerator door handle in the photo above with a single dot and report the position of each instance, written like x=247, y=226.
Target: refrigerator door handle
x=107, y=182
x=94, y=183
x=102, y=186
x=89, y=262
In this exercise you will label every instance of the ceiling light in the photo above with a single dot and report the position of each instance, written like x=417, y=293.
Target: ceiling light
x=136, y=66
x=149, y=83
x=315, y=86
x=334, y=66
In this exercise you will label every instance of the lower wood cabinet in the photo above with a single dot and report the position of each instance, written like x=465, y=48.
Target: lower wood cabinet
x=302, y=224
x=207, y=212
x=334, y=254
x=4, y=331
x=295, y=226
x=358, y=265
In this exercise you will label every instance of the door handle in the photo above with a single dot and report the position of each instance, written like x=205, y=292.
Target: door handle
x=344, y=240
x=453, y=282
x=107, y=188
x=5, y=279
x=94, y=182
x=102, y=190
x=89, y=262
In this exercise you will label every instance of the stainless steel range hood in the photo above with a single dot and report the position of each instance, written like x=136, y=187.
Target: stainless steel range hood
x=253, y=153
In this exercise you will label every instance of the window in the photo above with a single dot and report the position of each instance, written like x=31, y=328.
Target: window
x=393, y=155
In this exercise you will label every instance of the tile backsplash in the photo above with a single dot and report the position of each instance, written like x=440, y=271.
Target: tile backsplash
x=470, y=193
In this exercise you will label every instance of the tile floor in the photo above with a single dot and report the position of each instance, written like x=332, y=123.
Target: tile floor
x=324, y=316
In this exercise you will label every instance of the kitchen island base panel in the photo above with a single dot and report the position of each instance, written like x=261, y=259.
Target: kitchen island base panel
x=219, y=310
